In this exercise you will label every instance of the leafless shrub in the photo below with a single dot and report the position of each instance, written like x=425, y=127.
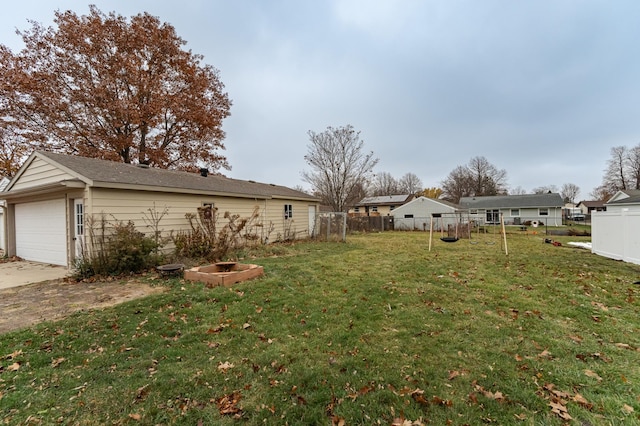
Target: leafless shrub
x=209, y=239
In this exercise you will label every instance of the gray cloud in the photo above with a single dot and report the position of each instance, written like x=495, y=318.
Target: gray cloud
x=542, y=89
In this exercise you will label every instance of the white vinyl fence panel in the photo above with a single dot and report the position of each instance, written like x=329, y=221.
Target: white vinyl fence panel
x=616, y=235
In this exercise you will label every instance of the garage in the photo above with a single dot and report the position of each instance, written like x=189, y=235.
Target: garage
x=41, y=231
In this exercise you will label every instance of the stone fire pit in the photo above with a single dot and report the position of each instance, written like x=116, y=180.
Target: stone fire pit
x=223, y=273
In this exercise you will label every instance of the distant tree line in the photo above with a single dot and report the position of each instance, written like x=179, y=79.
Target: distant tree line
x=342, y=173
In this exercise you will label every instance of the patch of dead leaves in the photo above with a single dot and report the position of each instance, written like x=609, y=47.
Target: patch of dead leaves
x=228, y=404
x=558, y=400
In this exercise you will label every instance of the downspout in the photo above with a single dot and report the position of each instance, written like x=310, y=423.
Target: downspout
x=5, y=211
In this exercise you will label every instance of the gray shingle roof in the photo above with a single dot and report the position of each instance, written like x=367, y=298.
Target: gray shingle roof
x=110, y=172
x=513, y=201
x=592, y=204
x=633, y=197
x=385, y=200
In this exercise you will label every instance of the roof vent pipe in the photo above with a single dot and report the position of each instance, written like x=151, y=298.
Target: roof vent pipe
x=204, y=172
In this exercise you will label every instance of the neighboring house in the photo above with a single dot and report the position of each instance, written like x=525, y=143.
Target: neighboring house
x=417, y=214
x=379, y=206
x=3, y=184
x=54, y=198
x=534, y=209
x=587, y=207
x=571, y=211
x=615, y=233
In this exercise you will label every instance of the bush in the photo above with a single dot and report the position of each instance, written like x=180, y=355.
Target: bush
x=209, y=240
x=116, y=250
x=578, y=233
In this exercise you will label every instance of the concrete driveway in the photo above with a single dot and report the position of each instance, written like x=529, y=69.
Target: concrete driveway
x=13, y=274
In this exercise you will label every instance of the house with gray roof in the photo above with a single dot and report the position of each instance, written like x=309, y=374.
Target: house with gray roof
x=529, y=209
x=54, y=198
x=381, y=205
x=589, y=206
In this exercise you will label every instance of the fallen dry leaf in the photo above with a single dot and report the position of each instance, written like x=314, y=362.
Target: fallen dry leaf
x=544, y=354
x=135, y=416
x=13, y=355
x=623, y=346
x=582, y=401
x=56, y=362
x=560, y=410
x=592, y=374
x=14, y=367
x=627, y=409
x=225, y=366
x=576, y=339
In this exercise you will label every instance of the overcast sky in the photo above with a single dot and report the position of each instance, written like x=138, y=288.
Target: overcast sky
x=542, y=89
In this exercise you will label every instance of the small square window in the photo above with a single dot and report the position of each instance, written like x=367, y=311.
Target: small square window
x=543, y=212
x=288, y=211
x=515, y=212
x=374, y=208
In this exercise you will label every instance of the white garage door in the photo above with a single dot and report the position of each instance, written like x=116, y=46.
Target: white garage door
x=41, y=231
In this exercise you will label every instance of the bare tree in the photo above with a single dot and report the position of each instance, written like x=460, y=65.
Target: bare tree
x=486, y=179
x=616, y=175
x=456, y=184
x=478, y=178
x=569, y=192
x=385, y=184
x=410, y=183
x=622, y=172
x=601, y=193
x=518, y=190
x=633, y=163
x=339, y=166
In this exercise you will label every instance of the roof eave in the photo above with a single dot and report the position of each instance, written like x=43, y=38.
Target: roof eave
x=43, y=189
x=154, y=188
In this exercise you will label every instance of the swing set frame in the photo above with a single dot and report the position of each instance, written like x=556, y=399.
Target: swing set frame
x=448, y=239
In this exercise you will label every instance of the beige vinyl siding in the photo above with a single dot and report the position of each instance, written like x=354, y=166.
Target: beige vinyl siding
x=124, y=205
x=295, y=227
x=39, y=173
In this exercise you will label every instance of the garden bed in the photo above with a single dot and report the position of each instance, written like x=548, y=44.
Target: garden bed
x=223, y=273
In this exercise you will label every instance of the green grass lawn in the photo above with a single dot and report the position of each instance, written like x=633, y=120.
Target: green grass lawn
x=377, y=330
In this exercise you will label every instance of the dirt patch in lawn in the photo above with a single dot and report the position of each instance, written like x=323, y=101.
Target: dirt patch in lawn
x=30, y=304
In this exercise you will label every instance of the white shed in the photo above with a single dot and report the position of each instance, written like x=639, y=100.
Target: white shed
x=416, y=214
x=615, y=233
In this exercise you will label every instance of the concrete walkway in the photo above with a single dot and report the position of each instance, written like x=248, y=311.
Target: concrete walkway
x=13, y=274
